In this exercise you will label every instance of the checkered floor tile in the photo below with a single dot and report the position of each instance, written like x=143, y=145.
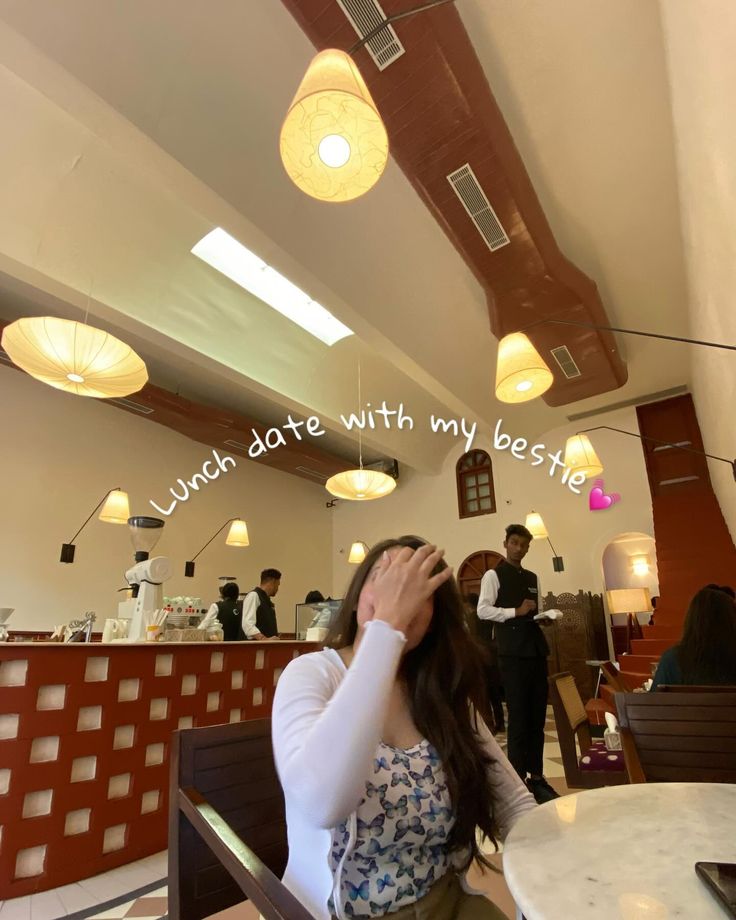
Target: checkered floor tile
x=152, y=906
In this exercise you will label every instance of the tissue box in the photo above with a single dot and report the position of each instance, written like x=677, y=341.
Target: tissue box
x=317, y=634
x=612, y=740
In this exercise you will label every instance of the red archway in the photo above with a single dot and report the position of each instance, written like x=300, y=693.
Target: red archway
x=474, y=567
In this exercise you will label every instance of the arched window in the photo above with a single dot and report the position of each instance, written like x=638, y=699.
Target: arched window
x=475, y=494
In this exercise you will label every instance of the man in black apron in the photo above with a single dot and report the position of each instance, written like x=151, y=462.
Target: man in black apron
x=509, y=595
x=259, y=613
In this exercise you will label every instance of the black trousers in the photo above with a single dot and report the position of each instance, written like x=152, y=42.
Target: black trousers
x=525, y=685
x=494, y=687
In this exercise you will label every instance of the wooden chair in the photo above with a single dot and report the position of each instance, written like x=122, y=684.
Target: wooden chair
x=584, y=768
x=614, y=678
x=679, y=737
x=693, y=688
x=227, y=831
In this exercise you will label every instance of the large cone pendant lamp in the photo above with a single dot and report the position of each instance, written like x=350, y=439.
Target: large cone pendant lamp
x=333, y=143
x=580, y=456
x=74, y=357
x=521, y=373
x=360, y=485
x=535, y=525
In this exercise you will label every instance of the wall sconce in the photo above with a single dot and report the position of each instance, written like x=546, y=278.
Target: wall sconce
x=357, y=553
x=585, y=460
x=236, y=536
x=535, y=525
x=115, y=510
x=640, y=565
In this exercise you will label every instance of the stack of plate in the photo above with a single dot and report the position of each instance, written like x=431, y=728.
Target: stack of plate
x=177, y=620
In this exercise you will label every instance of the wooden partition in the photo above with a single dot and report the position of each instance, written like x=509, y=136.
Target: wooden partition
x=85, y=734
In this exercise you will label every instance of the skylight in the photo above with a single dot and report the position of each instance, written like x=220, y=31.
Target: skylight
x=227, y=255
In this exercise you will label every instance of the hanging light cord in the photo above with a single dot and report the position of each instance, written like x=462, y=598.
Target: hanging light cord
x=648, y=335
x=213, y=537
x=394, y=18
x=360, y=430
x=643, y=437
x=102, y=501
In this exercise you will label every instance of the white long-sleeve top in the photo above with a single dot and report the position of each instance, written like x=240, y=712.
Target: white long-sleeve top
x=250, y=609
x=327, y=722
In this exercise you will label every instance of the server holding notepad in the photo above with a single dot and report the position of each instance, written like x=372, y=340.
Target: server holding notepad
x=509, y=595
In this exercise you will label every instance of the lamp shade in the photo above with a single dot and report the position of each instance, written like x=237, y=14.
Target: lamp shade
x=535, y=525
x=360, y=485
x=580, y=456
x=333, y=143
x=238, y=534
x=629, y=600
x=74, y=357
x=116, y=509
x=521, y=373
x=357, y=552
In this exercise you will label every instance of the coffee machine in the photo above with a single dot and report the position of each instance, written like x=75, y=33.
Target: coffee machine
x=146, y=577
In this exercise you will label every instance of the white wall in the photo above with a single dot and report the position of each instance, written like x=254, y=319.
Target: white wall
x=61, y=453
x=427, y=505
x=700, y=39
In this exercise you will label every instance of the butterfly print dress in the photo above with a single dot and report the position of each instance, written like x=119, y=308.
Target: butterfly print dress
x=403, y=822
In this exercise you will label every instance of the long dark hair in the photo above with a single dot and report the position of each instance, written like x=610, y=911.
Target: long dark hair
x=446, y=690
x=707, y=650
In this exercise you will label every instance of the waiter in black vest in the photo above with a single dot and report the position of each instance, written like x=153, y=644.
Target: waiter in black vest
x=509, y=595
x=259, y=613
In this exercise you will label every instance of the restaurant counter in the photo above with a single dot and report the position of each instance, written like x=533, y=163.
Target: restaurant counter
x=85, y=734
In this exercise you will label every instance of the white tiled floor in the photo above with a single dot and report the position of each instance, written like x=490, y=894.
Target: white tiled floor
x=58, y=903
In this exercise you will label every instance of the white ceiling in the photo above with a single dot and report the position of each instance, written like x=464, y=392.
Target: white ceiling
x=132, y=127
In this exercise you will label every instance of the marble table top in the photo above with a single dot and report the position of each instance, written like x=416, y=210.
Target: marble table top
x=622, y=853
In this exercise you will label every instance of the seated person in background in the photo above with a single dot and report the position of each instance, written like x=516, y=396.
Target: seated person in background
x=386, y=768
x=230, y=612
x=654, y=610
x=706, y=654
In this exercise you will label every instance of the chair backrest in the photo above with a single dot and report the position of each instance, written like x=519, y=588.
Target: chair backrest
x=572, y=724
x=232, y=766
x=679, y=737
x=614, y=678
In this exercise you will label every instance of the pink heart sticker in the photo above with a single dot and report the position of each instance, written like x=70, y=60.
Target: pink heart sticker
x=599, y=500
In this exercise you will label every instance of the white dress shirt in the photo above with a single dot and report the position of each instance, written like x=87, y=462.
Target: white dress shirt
x=489, y=588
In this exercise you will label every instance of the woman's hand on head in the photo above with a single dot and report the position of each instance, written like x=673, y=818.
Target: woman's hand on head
x=404, y=582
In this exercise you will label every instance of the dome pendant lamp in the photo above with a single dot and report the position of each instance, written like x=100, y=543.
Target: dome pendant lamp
x=333, y=142
x=360, y=485
x=521, y=373
x=74, y=357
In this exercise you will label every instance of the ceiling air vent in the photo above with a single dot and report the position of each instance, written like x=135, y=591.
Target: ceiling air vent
x=474, y=200
x=563, y=357
x=133, y=406
x=313, y=473
x=364, y=16
x=237, y=445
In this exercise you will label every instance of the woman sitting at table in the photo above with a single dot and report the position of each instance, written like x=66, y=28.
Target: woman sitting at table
x=386, y=767
x=706, y=654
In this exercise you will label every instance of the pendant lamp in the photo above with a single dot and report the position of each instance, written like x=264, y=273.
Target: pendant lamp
x=74, y=357
x=333, y=142
x=521, y=373
x=535, y=525
x=360, y=485
x=580, y=456
x=357, y=552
